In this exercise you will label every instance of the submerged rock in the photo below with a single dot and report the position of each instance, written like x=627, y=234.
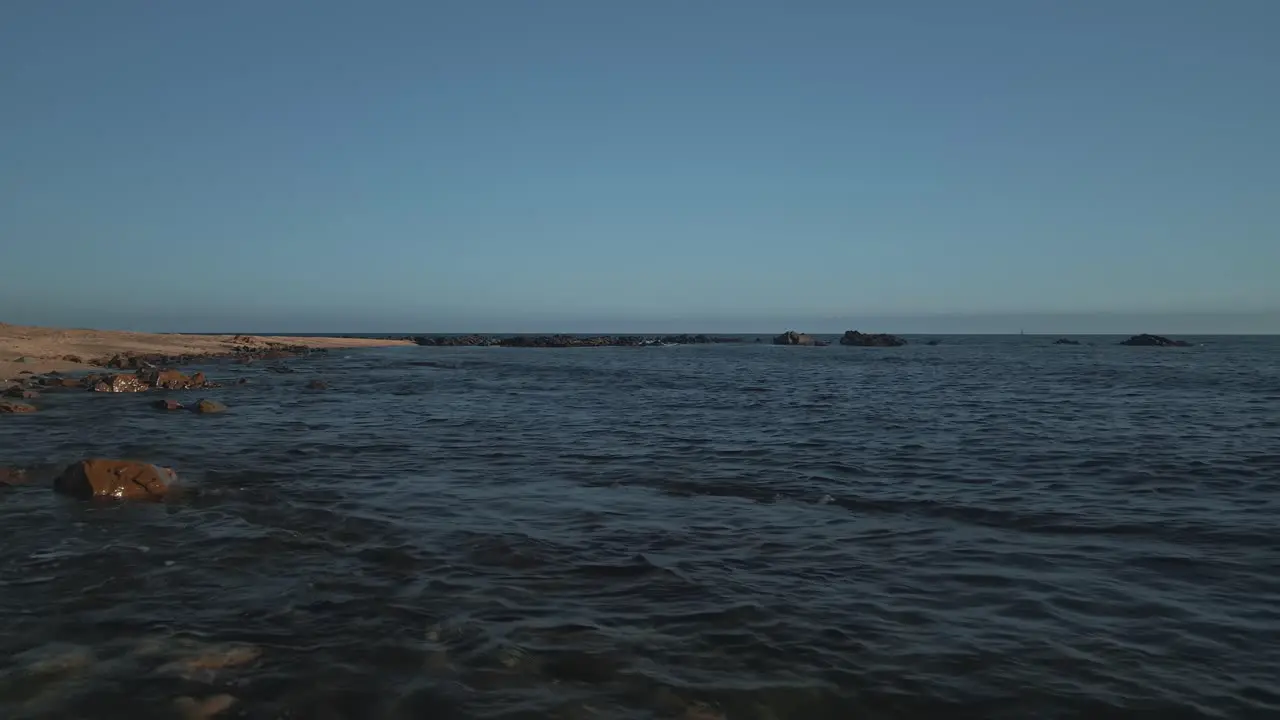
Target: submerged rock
x=858, y=339
x=21, y=393
x=208, y=407
x=13, y=407
x=317, y=385
x=1066, y=341
x=167, y=405
x=791, y=337
x=1145, y=340
x=192, y=709
x=118, y=479
x=12, y=476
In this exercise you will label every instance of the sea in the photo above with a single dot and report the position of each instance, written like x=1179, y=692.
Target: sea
x=989, y=527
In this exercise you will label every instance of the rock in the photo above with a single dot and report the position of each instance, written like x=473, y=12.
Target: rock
x=167, y=405
x=62, y=382
x=317, y=385
x=172, y=379
x=791, y=337
x=208, y=407
x=932, y=343
x=1066, y=341
x=11, y=406
x=21, y=393
x=73, y=359
x=12, y=476
x=857, y=339
x=242, y=381
x=121, y=383
x=191, y=709
x=1145, y=340
x=118, y=479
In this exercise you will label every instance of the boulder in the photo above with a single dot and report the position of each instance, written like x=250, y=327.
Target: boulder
x=73, y=358
x=118, y=479
x=172, y=379
x=791, y=337
x=317, y=385
x=1145, y=340
x=12, y=406
x=12, y=476
x=858, y=339
x=21, y=393
x=123, y=382
x=167, y=405
x=209, y=407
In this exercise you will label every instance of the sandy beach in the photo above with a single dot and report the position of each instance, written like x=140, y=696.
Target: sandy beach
x=40, y=349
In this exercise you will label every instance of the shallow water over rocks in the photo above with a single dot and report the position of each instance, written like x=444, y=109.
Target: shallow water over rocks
x=986, y=528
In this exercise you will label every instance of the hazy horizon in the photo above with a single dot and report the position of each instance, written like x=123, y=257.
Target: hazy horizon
x=576, y=166
x=1260, y=323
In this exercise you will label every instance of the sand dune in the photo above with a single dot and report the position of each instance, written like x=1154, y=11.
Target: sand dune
x=40, y=349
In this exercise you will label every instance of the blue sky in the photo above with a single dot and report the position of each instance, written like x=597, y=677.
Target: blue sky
x=585, y=165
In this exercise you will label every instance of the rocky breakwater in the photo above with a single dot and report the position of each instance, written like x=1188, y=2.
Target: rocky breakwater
x=791, y=337
x=1145, y=340
x=859, y=339
x=115, y=479
x=569, y=341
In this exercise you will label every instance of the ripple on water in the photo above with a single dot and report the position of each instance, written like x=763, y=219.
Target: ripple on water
x=987, y=529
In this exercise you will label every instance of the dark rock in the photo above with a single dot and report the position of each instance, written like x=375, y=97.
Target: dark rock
x=123, y=382
x=8, y=407
x=791, y=337
x=1066, y=341
x=61, y=382
x=208, y=407
x=73, y=358
x=116, y=479
x=167, y=405
x=172, y=379
x=317, y=385
x=242, y=381
x=13, y=476
x=21, y=393
x=858, y=339
x=1145, y=340
x=932, y=343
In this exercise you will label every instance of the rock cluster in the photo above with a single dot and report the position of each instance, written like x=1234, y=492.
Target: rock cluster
x=566, y=341
x=1145, y=340
x=858, y=339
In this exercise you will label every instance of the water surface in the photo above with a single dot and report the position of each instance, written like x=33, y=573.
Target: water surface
x=989, y=528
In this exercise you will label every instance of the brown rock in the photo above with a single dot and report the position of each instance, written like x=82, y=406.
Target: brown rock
x=72, y=358
x=21, y=393
x=206, y=407
x=167, y=405
x=12, y=476
x=121, y=383
x=192, y=709
x=64, y=382
x=10, y=406
x=118, y=479
x=791, y=337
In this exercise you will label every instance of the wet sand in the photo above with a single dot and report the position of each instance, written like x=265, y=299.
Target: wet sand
x=40, y=349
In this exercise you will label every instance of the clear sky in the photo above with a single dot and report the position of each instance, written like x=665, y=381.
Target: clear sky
x=584, y=165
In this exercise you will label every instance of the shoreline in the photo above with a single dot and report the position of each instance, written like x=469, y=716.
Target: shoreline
x=33, y=350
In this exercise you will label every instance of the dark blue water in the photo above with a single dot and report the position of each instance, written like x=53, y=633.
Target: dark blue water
x=989, y=528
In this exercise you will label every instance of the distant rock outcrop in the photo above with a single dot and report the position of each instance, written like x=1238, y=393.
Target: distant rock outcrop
x=1066, y=341
x=857, y=339
x=791, y=337
x=1145, y=340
